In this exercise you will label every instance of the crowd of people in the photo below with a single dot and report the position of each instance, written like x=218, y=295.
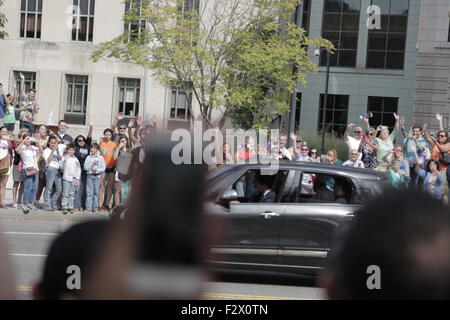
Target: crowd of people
x=70, y=174
x=421, y=160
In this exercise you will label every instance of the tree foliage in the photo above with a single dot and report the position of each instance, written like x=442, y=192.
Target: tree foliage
x=236, y=56
x=3, y=21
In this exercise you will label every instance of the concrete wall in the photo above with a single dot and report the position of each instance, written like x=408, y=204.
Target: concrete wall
x=433, y=64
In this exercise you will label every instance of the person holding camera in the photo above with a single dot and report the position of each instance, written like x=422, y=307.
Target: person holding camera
x=441, y=149
x=385, y=141
x=368, y=149
x=29, y=152
x=28, y=105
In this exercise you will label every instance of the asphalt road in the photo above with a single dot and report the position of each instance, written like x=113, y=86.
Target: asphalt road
x=29, y=236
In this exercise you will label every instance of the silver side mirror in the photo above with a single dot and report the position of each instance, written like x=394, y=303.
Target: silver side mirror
x=230, y=195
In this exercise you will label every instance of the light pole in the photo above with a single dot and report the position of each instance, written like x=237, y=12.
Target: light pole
x=298, y=20
x=325, y=99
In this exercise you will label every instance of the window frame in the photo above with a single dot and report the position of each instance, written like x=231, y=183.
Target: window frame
x=141, y=23
x=77, y=16
x=24, y=16
x=382, y=112
x=84, y=99
x=335, y=58
x=387, y=34
x=32, y=82
x=333, y=109
x=121, y=106
x=174, y=104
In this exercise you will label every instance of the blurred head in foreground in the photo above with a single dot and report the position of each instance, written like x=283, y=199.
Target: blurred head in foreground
x=77, y=246
x=404, y=234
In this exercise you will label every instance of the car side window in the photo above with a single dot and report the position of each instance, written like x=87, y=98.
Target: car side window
x=317, y=187
x=260, y=186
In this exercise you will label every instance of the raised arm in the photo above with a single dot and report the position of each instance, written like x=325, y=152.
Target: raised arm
x=427, y=135
x=439, y=119
x=119, y=117
x=22, y=85
x=89, y=135
x=350, y=125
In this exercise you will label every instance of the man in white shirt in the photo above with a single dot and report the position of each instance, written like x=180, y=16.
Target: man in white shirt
x=353, y=142
x=283, y=152
x=353, y=160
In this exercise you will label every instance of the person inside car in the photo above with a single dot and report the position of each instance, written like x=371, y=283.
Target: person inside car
x=342, y=191
x=265, y=193
x=323, y=188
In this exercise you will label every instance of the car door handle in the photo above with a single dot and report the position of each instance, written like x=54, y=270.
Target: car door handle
x=349, y=216
x=269, y=214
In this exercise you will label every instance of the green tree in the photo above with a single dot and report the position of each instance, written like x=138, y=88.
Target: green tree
x=3, y=21
x=235, y=56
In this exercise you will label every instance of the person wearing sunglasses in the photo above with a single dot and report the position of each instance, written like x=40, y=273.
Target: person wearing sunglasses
x=386, y=141
x=353, y=160
x=354, y=142
x=414, y=140
x=303, y=155
x=441, y=149
x=82, y=147
x=313, y=154
x=368, y=149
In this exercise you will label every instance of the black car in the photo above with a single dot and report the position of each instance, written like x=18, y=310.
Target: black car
x=292, y=234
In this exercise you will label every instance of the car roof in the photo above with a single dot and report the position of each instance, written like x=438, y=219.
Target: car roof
x=298, y=165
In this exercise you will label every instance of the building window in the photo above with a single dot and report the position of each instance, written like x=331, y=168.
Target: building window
x=83, y=20
x=129, y=90
x=383, y=109
x=179, y=105
x=306, y=15
x=30, y=80
x=336, y=114
x=190, y=5
x=386, y=46
x=76, y=99
x=134, y=27
x=341, y=25
x=31, y=19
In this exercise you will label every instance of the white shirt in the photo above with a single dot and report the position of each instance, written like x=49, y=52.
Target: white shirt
x=353, y=144
x=356, y=164
x=29, y=156
x=72, y=169
x=54, y=162
x=284, y=153
x=4, y=149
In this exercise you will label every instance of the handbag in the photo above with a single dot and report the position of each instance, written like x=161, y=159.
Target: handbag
x=30, y=171
x=4, y=165
x=445, y=157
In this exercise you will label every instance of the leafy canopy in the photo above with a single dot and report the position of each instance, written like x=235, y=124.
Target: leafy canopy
x=236, y=56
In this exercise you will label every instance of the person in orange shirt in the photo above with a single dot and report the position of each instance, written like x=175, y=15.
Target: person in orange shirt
x=107, y=147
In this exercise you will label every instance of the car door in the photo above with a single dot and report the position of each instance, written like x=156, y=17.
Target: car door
x=251, y=231
x=308, y=228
